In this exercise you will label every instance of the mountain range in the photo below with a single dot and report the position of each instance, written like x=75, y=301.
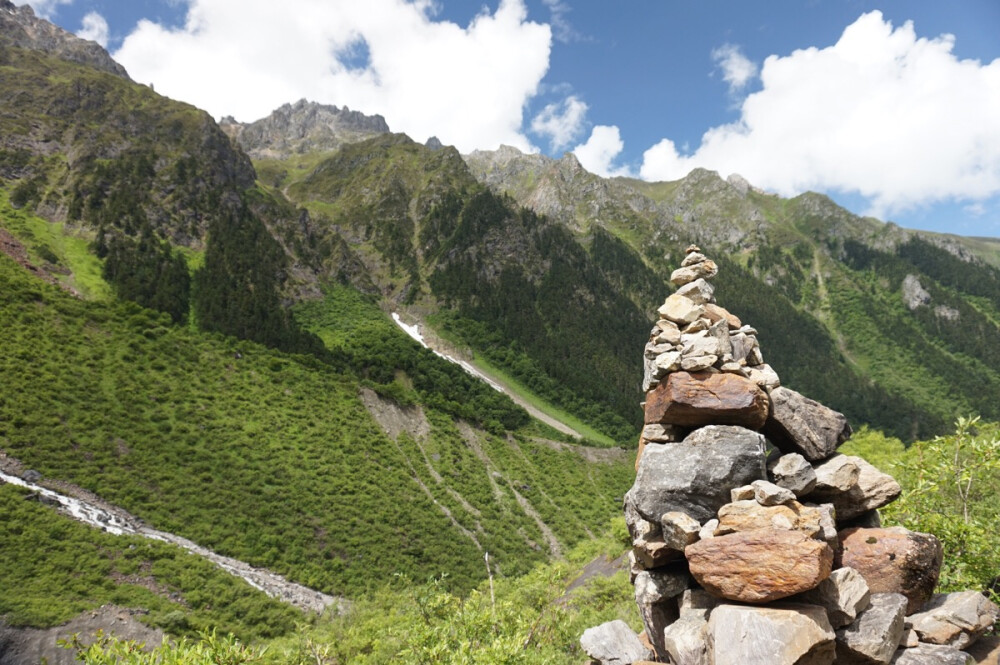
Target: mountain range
x=203, y=334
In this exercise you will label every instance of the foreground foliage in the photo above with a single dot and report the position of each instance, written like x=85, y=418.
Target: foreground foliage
x=532, y=620
x=951, y=488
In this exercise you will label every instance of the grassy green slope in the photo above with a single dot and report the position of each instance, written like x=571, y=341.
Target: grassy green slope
x=272, y=458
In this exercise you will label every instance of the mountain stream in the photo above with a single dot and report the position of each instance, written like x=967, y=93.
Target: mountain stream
x=118, y=522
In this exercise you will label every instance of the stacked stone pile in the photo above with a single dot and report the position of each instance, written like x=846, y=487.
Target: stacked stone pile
x=754, y=541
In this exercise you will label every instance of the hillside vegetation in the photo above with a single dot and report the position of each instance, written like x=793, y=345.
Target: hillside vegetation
x=180, y=427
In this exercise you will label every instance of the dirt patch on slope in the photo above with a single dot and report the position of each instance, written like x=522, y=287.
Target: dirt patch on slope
x=395, y=419
x=30, y=646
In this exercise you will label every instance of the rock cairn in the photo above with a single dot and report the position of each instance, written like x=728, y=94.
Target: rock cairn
x=754, y=541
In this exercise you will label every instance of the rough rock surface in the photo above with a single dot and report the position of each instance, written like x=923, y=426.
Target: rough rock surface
x=798, y=424
x=956, y=619
x=873, y=490
x=20, y=27
x=932, y=654
x=761, y=565
x=874, y=636
x=893, y=560
x=656, y=597
x=751, y=515
x=844, y=594
x=695, y=476
x=613, y=643
x=788, y=634
x=794, y=472
x=704, y=398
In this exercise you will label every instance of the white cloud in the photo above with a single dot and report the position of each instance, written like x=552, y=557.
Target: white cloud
x=564, y=31
x=466, y=85
x=561, y=123
x=45, y=8
x=896, y=118
x=737, y=69
x=94, y=28
x=598, y=154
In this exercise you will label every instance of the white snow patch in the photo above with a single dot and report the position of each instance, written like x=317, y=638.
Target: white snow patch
x=414, y=332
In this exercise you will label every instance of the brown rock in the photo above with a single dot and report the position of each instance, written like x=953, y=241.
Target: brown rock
x=715, y=313
x=761, y=565
x=798, y=424
x=894, y=560
x=750, y=515
x=704, y=398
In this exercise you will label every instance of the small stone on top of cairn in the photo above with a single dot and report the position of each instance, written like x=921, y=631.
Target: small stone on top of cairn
x=786, y=557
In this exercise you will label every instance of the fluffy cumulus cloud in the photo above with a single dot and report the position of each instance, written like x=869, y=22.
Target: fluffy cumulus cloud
x=561, y=123
x=94, y=28
x=737, y=69
x=884, y=113
x=463, y=84
x=599, y=152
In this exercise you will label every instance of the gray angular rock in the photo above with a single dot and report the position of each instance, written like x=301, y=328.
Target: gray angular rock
x=956, y=619
x=836, y=475
x=700, y=343
x=932, y=654
x=782, y=634
x=698, y=363
x=679, y=530
x=844, y=594
x=680, y=310
x=666, y=332
x=613, y=643
x=656, y=593
x=699, y=291
x=793, y=472
x=695, y=476
x=853, y=486
x=764, y=376
x=876, y=634
x=798, y=424
x=657, y=433
x=686, y=641
x=708, y=529
x=741, y=344
x=767, y=493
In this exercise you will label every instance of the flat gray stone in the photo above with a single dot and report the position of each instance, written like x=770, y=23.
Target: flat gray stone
x=932, y=654
x=613, y=643
x=780, y=634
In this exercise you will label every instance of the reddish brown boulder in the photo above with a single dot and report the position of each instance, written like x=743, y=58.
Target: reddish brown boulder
x=894, y=560
x=693, y=399
x=761, y=565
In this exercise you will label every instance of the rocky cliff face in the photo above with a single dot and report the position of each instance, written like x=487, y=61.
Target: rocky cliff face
x=20, y=27
x=303, y=127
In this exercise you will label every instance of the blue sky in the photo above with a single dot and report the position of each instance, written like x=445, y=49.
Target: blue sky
x=891, y=108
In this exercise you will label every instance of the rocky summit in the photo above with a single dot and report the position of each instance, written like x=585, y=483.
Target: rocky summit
x=753, y=540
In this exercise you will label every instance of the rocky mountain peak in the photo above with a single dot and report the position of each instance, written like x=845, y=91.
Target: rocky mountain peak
x=303, y=127
x=20, y=27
